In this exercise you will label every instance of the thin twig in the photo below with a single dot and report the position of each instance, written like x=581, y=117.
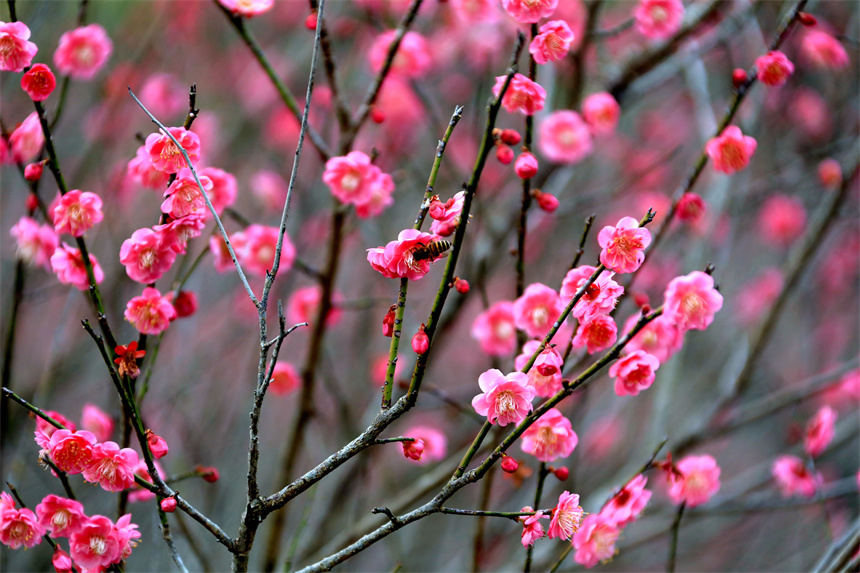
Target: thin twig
x=673, y=543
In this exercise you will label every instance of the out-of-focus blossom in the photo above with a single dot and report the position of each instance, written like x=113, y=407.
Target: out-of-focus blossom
x=224, y=188
x=781, y=220
x=76, y=212
x=413, y=58
x=506, y=399
x=819, y=431
x=247, y=8
x=731, y=150
x=68, y=264
x=628, y=504
x=529, y=11
x=523, y=95
x=595, y=540
x=495, y=329
x=303, y=306
x=434, y=441
x=660, y=337
x=823, y=50
x=27, y=139
x=257, y=246
x=83, y=51
x=793, y=478
x=36, y=243
x=758, y=295
x=691, y=208
x=691, y=301
x=564, y=137
x=658, y=19
x=774, y=68
x=552, y=43
x=830, y=173
x=551, y=437
x=601, y=112
x=699, y=482
x=475, y=11
x=97, y=421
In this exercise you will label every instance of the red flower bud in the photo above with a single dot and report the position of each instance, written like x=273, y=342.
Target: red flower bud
x=33, y=171
x=461, y=285
x=509, y=464
x=388, y=322
x=526, y=166
x=510, y=136
x=807, y=19
x=32, y=203
x=414, y=449
x=641, y=299
x=209, y=473
x=691, y=207
x=157, y=445
x=420, y=342
x=561, y=473
x=311, y=21
x=185, y=303
x=377, y=115
x=168, y=504
x=546, y=201
x=504, y=154
x=739, y=76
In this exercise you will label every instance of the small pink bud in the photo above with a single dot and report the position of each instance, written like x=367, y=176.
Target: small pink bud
x=414, y=449
x=208, y=473
x=157, y=445
x=645, y=308
x=388, y=322
x=526, y=166
x=807, y=19
x=561, y=473
x=691, y=207
x=461, y=285
x=510, y=136
x=61, y=561
x=185, y=303
x=377, y=115
x=509, y=464
x=311, y=21
x=504, y=154
x=546, y=201
x=437, y=209
x=32, y=203
x=739, y=76
x=420, y=342
x=168, y=504
x=830, y=173
x=33, y=171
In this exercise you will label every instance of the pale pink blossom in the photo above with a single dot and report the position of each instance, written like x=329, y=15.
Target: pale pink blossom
x=660, y=337
x=599, y=298
x=601, y=112
x=823, y=50
x=551, y=437
x=97, y=421
x=537, y=309
x=95, y=546
x=435, y=444
x=126, y=534
x=495, y=329
x=781, y=220
x=220, y=255
x=68, y=264
x=35, y=243
x=627, y=505
x=146, y=255
x=552, y=43
x=76, y=212
x=258, y=247
x=819, y=431
x=247, y=8
x=757, y=295
x=72, y=452
x=506, y=399
x=597, y=334
x=564, y=137
x=27, y=139
x=59, y=516
x=112, y=467
x=83, y=51
x=16, y=51
x=20, y=527
x=446, y=216
x=530, y=11
x=731, y=150
x=163, y=95
x=476, y=11
x=352, y=178
x=595, y=540
x=285, y=379
x=150, y=313
x=270, y=188
x=634, y=373
x=658, y=19
x=39, y=82
x=407, y=257
x=774, y=68
x=793, y=477
x=141, y=170
x=523, y=95
x=545, y=373
x=303, y=306
x=566, y=517
x=224, y=188
x=699, y=482
x=532, y=528
x=178, y=232
x=163, y=153
x=623, y=245
x=44, y=429
x=413, y=58
x=691, y=301
x=381, y=191
x=183, y=197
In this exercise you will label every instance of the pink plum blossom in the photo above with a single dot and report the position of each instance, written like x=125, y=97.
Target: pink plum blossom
x=97, y=421
x=658, y=19
x=819, y=431
x=303, y=306
x=258, y=246
x=597, y=334
x=72, y=452
x=68, y=264
x=623, y=245
x=731, y=150
x=552, y=43
x=435, y=444
x=699, y=482
x=35, y=243
x=16, y=51
x=141, y=170
x=112, y=467
x=95, y=545
x=774, y=68
x=20, y=527
x=381, y=191
x=660, y=337
x=163, y=153
x=285, y=379
x=691, y=301
x=126, y=533
x=537, y=309
x=793, y=477
x=163, y=95
x=61, y=517
x=634, y=373
x=830, y=173
x=601, y=112
x=247, y=8
x=599, y=298
x=823, y=50
x=413, y=449
x=545, y=373
x=27, y=139
x=757, y=295
x=691, y=208
x=350, y=177
x=83, y=51
x=146, y=255
x=183, y=197
x=566, y=517
x=446, y=216
x=39, y=82
x=150, y=313
x=781, y=220
x=532, y=528
x=595, y=540
x=406, y=257
x=564, y=137
x=526, y=166
x=178, y=232
x=157, y=445
x=413, y=58
x=45, y=430
x=269, y=187
x=627, y=505
x=224, y=188
x=495, y=329
x=529, y=11
x=551, y=437
x=506, y=399
x=522, y=95
x=475, y=11
x=76, y=212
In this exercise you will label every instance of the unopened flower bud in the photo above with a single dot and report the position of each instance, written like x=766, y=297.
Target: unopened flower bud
x=414, y=449
x=33, y=171
x=185, y=303
x=388, y=322
x=61, y=560
x=526, y=166
x=32, y=202
x=377, y=115
x=504, y=154
x=461, y=285
x=807, y=19
x=561, y=473
x=510, y=136
x=420, y=342
x=208, y=473
x=739, y=76
x=509, y=464
x=641, y=299
x=168, y=504
x=546, y=201
x=157, y=445
x=830, y=173
x=691, y=207
x=311, y=21
x=437, y=209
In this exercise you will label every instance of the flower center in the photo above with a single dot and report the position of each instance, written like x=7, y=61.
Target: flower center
x=350, y=181
x=147, y=259
x=540, y=316
x=503, y=330
x=60, y=519
x=506, y=402
x=98, y=545
x=658, y=13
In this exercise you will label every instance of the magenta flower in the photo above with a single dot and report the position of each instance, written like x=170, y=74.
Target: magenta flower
x=97, y=421
x=224, y=188
x=72, y=452
x=699, y=482
x=407, y=257
x=178, y=232
x=183, y=197
x=659, y=338
x=506, y=399
x=83, y=51
x=76, y=212
x=412, y=60
x=27, y=139
x=774, y=68
x=552, y=43
x=434, y=442
x=60, y=516
x=627, y=505
x=566, y=517
x=285, y=379
x=564, y=137
x=150, y=313
x=530, y=11
x=731, y=150
x=446, y=216
x=68, y=264
x=44, y=430
x=163, y=153
x=595, y=540
x=601, y=112
x=819, y=431
x=112, y=467
x=495, y=329
x=551, y=437
x=522, y=95
x=781, y=220
x=381, y=191
x=597, y=334
x=255, y=247
x=623, y=245
x=38, y=82
x=350, y=178
x=16, y=51
x=303, y=306
x=545, y=373
x=634, y=373
x=599, y=298
x=691, y=301
x=141, y=170
x=537, y=309
x=146, y=255
x=658, y=19
x=823, y=50
x=20, y=527
x=36, y=243
x=95, y=546
x=532, y=528
x=793, y=477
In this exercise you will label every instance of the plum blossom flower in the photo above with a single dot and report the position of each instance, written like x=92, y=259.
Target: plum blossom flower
x=774, y=68
x=146, y=256
x=178, y=232
x=150, y=313
x=381, y=191
x=127, y=359
x=545, y=373
x=97, y=421
x=44, y=429
x=72, y=452
x=407, y=257
x=413, y=58
x=599, y=298
x=532, y=528
x=699, y=482
x=258, y=246
x=634, y=373
x=658, y=19
x=476, y=11
x=247, y=8
x=61, y=517
x=413, y=449
x=623, y=245
x=552, y=43
x=819, y=431
x=758, y=295
x=157, y=445
x=95, y=546
x=564, y=137
x=20, y=527
x=224, y=187
x=303, y=306
x=36, y=243
x=446, y=216
x=601, y=112
x=163, y=153
x=112, y=467
x=627, y=505
x=16, y=51
x=352, y=177
x=183, y=197
x=781, y=220
x=659, y=338
x=595, y=540
x=551, y=437
x=830, y=173
x=285, y=379
x=434, y=443
x=731, y=150
x=793, y=478
x=27, y=139
x=38, y=82
x=126, y=533
x=691, y=301
x=68, y=264
x=495, y=329
x=597, y=334
x=83, y=51
x=529, y=11
x=537, y=309
x=141, y=170
x=566, y=517
x=522, y=95
x=691, y=208
x=76, y=212
x=823, y=50
x=526, y=166
x=506, y=399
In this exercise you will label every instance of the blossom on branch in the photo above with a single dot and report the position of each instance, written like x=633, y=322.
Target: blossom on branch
x=506, y=399
x=83, y=51
x=16, y=51
x=623, y=245
x=552, y=43
x=551, y=437
x=523, y=95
